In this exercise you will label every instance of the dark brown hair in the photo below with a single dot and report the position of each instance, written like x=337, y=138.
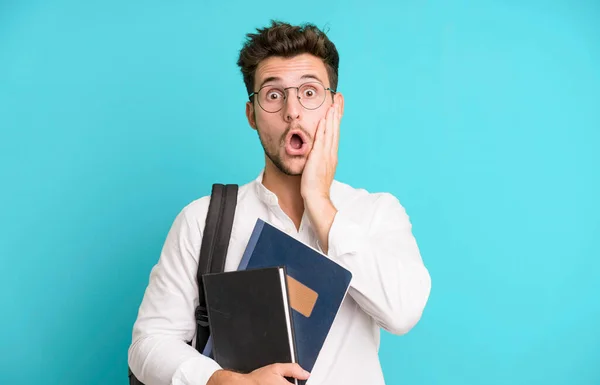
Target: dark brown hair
x=286, y=40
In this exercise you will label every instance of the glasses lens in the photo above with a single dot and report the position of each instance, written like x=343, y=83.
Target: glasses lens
x=271, y=98
x=311, y=95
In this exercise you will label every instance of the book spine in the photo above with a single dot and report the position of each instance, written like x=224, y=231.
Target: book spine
x=290, y=317
x=251, y=244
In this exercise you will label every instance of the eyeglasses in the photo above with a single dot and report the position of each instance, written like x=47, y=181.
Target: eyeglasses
x=311, y=96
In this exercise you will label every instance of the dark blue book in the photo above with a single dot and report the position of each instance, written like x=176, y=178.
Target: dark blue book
x=316, y=284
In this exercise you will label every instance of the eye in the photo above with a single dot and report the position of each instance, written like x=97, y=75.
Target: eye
x=274, y=95
x=309, y=92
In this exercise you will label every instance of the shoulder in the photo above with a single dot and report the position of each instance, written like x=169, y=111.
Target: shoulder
x=194, y=213
x=346, y=196
x=365, y=206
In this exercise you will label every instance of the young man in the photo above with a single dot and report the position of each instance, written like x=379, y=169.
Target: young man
x=291, y=75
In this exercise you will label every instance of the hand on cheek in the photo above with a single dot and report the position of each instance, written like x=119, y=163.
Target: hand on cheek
x=321, y=164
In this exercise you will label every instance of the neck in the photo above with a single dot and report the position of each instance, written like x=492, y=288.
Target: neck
x=287, y=190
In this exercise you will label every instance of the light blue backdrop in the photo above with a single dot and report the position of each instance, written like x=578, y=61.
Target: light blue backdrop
x=483, y=117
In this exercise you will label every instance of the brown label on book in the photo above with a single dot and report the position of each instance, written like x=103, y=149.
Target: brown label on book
x=302, y=297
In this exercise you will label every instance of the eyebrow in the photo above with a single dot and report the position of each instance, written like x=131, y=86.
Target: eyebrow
x=276, y=78
x=311, y=76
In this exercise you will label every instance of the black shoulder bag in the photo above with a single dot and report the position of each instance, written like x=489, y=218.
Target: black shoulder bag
x=213, y=252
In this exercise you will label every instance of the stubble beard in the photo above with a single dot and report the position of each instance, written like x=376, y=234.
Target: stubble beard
x=271, y=150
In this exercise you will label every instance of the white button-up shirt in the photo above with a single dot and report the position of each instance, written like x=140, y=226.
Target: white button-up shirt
x=371, y=236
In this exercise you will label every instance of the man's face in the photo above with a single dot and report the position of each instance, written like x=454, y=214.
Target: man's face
x=287, y=135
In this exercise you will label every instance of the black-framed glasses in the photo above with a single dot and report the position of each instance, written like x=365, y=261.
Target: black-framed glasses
x=311, y=96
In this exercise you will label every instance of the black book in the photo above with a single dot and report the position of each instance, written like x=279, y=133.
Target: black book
x=250, y=318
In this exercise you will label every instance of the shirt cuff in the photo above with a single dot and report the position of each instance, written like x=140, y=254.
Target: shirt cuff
x=195, y=371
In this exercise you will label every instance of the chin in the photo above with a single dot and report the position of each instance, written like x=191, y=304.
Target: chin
x=288, y=165
x=293, y=167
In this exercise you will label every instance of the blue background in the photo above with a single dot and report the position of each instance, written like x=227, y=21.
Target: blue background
x=482, y=117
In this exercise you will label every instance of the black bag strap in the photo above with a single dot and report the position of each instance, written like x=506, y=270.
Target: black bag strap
x=213, y=251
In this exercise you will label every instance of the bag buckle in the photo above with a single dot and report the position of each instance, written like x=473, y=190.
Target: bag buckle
x=201, y=316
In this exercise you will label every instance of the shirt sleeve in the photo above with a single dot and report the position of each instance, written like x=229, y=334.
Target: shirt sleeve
x=159, y=353
x=373, y=239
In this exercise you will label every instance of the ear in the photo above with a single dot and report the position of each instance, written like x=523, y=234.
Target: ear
x=339, y=99
x=250, y=115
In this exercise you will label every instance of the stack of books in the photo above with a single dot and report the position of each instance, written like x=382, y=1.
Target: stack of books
x=277, y=308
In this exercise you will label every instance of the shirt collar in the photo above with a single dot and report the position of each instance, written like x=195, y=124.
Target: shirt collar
x=264, y=194
x=269, y=198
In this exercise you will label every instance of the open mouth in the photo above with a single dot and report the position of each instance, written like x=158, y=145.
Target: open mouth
x=296, y=143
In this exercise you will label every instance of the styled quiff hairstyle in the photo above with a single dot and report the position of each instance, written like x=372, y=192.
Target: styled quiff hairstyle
x=286, y=40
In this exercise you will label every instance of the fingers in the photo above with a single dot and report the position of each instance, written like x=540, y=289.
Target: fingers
x=335, y=131
x=322, y=129
x=318, y=137
x=329, y=127
x=291, y=370
x=327, y=134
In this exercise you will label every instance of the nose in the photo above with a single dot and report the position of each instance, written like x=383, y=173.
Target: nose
x=292, y=107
